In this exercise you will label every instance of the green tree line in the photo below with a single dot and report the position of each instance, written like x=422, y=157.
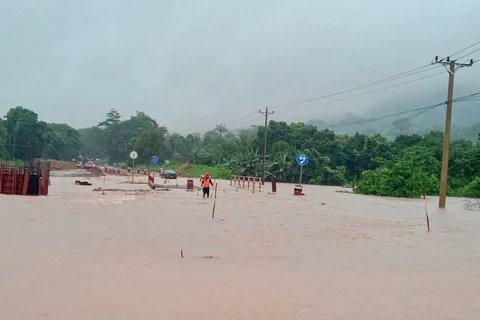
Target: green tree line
x=24, y=137
x=403, y=166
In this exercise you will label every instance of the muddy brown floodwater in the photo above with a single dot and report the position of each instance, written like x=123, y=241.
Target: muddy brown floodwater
x=78, y=254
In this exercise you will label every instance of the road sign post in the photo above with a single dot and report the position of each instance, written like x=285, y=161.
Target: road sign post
x=134, y=156
x=154, y=161
x=301, y=173
x=302, y=160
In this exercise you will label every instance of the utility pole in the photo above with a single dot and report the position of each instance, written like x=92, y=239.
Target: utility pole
x=452, y=66
x=266, y=114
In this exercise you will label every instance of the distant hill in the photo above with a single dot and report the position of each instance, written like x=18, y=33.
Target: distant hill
x=465, y=120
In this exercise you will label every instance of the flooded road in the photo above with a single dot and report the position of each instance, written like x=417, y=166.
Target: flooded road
x=78, y=254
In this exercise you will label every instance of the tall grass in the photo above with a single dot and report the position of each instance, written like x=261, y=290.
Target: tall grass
x=13, y=162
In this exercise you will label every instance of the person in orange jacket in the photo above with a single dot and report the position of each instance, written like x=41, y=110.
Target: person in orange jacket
x=206, y=182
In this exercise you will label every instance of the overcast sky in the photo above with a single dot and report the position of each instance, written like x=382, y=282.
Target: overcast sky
x=192, y=64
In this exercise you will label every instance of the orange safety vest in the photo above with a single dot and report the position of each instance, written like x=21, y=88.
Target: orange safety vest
x=206, y=182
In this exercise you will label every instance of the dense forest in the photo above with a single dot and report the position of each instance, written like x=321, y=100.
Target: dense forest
x=403, y=166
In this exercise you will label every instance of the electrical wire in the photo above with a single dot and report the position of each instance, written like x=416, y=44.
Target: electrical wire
x=379, y=118
x=247, y=116
x=364, y=93
x=467, y=98
x=461, y=99
x=417, y=111
x=414, y=71
x=233, y=120
x=354, y=96
x=396, y=122
x=391, y=78
x=468, y=54
x=467, y=62
x=399, y=77
x=464, y=49
x=388, y=79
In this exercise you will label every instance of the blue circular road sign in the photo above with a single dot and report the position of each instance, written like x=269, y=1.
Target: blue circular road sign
x=302, y=159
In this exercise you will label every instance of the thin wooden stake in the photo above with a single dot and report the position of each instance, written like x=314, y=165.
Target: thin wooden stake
x=103, y=188
x=214, y=201
x=426, y=214
x=26, y=180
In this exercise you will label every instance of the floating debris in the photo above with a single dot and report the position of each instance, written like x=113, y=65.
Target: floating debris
x=83, y=183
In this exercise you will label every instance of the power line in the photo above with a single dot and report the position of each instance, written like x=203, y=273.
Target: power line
x=417, y=114
x=391, y=78
x=380, y=118
x=408, y=73
x=425, y=110
x=365, y=93
x=234, y=120
x=469, y=97
x=387, y=79
x=371, y=120
x=248, y=116
x=468, y=54
x=464, y=49
x=379, y=128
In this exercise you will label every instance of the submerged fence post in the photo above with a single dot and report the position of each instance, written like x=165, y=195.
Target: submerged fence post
x=14, y=181
x=47, y=180
x=26, y=179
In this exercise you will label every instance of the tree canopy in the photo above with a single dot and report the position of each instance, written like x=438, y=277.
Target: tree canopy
x=404, y=166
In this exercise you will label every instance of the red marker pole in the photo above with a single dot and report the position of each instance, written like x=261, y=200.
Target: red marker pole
x=214, y=201
x=426, y=214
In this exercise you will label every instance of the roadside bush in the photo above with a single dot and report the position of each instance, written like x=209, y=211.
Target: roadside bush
x=471, y=190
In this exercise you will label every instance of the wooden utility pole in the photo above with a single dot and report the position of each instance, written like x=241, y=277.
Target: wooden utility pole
x=266, y=114
x=452, y=66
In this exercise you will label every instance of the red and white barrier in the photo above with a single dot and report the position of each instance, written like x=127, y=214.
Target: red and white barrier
x=239, y=182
